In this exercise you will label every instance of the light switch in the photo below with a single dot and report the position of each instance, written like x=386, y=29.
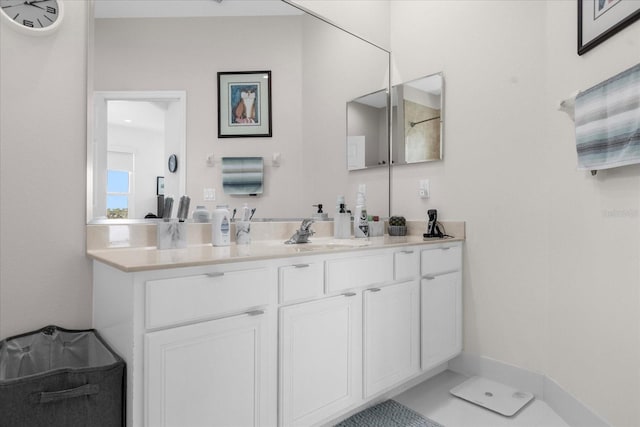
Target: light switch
x=209, y=194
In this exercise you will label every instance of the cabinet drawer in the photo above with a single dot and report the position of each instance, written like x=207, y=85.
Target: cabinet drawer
x=441, y=260
x=301, y=281
x=406, y=264
x=356, y=272
x=185, y=299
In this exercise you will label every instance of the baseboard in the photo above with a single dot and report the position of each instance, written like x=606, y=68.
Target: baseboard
x=570, y=409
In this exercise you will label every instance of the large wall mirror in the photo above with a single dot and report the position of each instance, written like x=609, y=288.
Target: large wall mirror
x=151, y=47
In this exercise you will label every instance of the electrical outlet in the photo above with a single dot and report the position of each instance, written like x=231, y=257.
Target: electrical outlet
x=209, y=194
x=423, y=189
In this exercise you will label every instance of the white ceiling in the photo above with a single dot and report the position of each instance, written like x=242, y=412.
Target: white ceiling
x=191, y=8
x=146, y=115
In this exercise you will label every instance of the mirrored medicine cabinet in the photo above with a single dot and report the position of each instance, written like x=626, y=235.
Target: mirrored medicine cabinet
x=416, y=123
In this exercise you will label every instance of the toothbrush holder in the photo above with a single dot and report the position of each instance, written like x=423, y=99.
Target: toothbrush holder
x=243, y=232
x=171, y=234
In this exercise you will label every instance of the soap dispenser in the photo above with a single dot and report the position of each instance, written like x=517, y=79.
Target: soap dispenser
x=319, y=215
x=342, y=222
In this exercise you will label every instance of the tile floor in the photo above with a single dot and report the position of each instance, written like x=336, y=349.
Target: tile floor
x=432, y=399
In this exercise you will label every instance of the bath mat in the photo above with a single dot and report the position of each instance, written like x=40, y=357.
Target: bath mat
x=492, y=395
x=388, y=414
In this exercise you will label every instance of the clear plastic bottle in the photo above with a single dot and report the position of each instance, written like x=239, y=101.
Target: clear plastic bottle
x=201, y=214
x=221, y=226
x=342, y=223
x=360, y=218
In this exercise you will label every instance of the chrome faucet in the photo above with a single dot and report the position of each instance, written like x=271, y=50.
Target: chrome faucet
x=302, y=235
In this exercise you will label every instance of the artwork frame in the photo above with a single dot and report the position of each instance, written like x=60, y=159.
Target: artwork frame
x=159, y=185
x=244, y=104
x=598, y=20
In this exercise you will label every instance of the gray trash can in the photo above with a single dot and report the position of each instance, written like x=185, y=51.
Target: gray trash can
x=56, y=377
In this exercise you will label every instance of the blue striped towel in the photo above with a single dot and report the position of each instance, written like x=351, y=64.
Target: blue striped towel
x=607, y=120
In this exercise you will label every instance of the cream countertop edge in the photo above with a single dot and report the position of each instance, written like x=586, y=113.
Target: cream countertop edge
x=149, y=258
x=134, y=259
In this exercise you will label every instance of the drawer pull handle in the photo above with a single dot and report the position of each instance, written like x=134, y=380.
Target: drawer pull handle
x=349, y=294
x=218, y=274
x=407, y=252
x=446, y=249
x=429, y=277
x=255, y=312
x=375, y=289
x=301, y=265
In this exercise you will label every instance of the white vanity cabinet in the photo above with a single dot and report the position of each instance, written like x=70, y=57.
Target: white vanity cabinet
x=212, y=373
x=391, y=335
x=284, y=341
x=441, y=304
x=200, y=342
x=320, y=359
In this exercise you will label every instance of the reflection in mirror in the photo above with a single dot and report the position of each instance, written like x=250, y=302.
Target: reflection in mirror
x=134, y=135
x=162, y=45
x=417, y=118
x=367, y=135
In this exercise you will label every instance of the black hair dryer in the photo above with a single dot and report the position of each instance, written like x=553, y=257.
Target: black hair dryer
x=433, y=230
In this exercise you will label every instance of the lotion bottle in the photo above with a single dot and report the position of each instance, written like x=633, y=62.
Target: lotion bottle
x=360, y=218
x=220, y=227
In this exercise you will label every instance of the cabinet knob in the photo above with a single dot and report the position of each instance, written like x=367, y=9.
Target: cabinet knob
x=349, y=294
x=375, y=289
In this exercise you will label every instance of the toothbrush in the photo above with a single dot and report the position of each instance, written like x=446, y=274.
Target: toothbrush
x=234, y=214
x=252, y=212
x=245, y=213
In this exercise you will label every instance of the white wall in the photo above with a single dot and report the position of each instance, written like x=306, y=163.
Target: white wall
x=45, y=276
x=551, y=270
x=594, y=230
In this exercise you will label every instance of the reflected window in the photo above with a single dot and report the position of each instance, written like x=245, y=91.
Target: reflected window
x=118, y=193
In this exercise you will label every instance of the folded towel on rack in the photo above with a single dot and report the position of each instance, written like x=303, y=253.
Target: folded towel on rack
x=607, y=118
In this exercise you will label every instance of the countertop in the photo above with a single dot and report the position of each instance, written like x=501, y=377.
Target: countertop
x=151, y=258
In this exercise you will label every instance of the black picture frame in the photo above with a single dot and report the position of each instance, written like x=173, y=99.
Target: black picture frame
x=244, y=104
x=598, y=20
x=159, y=185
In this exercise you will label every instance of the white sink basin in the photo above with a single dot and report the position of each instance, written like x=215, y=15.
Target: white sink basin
x=339, y=243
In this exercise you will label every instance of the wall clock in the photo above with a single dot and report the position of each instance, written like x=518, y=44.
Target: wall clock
x=173, y=163
x=33, y=17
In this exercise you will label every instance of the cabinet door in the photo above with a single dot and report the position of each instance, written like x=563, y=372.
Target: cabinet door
x=441, y=318
x=391, y=335
x=320, y=359
x=210, y=374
